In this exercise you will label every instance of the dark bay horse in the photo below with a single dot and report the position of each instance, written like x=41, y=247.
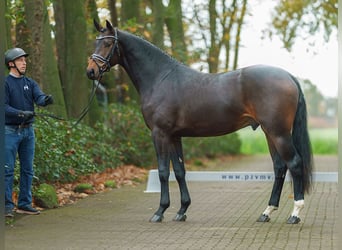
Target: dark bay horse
x=177, y=101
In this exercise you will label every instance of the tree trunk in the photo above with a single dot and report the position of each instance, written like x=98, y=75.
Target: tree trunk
x=237, y=38
x=71, y=32
x=34, y=14
x=214, y=49
x=175, y=28
x=227, y=32
x=44, y=64
x=113, y=12
x=158, y=23
x=129, y=11
x=129, y=17
x=7, y=28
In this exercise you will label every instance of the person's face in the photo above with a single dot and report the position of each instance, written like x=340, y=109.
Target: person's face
x=21, y=65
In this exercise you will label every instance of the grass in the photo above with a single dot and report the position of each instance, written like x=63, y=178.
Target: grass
x=323, y=141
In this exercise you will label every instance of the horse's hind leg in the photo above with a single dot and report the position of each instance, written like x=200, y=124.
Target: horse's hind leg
x=279, y=178
x=179, y=169
x=288, y=153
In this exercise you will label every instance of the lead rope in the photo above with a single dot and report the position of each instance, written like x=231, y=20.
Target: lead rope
x=85, y=110
x=96, y=84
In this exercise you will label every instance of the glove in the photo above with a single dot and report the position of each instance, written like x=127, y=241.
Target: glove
x=26, y=114
x=48, y=99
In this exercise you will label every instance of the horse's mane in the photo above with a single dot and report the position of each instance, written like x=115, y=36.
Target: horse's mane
x=149, y=44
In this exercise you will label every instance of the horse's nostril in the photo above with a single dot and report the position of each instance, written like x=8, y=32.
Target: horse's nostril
x=91, y=73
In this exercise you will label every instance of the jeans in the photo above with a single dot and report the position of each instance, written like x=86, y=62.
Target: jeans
x=21, y=141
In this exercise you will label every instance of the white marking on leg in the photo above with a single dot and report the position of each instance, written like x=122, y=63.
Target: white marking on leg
x=269, y=210
x=298, y=206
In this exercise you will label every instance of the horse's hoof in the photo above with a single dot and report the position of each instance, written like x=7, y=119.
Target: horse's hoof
x=157, y=218
x=180, y=217
x=264, y=218
x=293, y=220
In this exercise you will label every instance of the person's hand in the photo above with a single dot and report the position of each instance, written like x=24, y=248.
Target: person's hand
x=26, y=114
x=48, y=99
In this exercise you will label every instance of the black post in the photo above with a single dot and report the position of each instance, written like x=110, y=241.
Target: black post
x=2, y=125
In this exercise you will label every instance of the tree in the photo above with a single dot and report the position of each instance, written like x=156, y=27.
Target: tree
x=174, y=23
x=71, y=32
x=302, y=18
x=130, y=11
x=129, y=21
x=113, y=12
x=313, y=97
x=7, y=23
x=158, y=23
x=44, y=69
x=226, y=19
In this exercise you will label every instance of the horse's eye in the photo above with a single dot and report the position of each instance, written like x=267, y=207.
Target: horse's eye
x=107, y=44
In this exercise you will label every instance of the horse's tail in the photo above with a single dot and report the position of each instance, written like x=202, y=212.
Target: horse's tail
x=301, y=139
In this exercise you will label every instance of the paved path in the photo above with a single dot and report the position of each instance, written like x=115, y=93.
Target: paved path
x=222, y=216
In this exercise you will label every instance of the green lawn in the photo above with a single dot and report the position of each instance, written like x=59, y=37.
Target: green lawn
x=323, y=141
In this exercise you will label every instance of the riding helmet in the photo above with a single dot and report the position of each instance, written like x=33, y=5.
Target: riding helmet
x=13, y=54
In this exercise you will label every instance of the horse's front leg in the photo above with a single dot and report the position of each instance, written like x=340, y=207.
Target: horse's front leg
x=162, y=147
x=179, y=169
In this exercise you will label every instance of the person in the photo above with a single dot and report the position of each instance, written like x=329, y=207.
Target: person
x=21, y=93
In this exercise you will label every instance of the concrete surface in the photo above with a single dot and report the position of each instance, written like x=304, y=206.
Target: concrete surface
x=222, y=216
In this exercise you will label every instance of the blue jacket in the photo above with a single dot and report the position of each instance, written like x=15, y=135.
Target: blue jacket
x=20, y=95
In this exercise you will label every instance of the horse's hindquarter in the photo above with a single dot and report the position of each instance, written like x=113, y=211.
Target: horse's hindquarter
x=270, y=96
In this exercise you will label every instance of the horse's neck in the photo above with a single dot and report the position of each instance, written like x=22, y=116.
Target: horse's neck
x=145, y=64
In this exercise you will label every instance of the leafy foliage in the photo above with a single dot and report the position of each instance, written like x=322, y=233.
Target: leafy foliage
x=64, y=153
x=125, y=130
x=212, y=147
x=302, y=17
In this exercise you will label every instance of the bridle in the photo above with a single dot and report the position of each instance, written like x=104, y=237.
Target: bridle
x=106, y=60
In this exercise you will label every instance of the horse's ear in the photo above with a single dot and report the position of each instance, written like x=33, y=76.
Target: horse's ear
x=97, y=25
x=109, y=26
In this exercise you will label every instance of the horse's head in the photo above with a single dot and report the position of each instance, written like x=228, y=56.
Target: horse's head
x=107, y=51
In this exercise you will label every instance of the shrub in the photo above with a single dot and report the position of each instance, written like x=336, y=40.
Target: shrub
x=110, y=184
x=212, y=147
x=125, y=130
x=64, y=153
x=83, y=187
x=45, y=196
x=61, y=152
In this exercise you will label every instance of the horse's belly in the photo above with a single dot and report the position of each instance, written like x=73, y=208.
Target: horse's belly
x=209, y=127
